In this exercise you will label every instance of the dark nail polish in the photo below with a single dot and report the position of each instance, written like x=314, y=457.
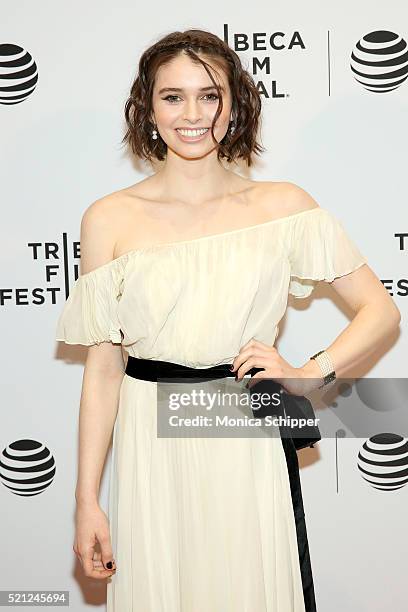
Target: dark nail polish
x=109, y=565
x=231, y=367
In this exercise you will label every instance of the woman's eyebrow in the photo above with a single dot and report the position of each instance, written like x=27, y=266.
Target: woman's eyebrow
x=180, y=89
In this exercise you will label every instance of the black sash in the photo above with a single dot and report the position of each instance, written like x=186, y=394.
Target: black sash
x=294, y=406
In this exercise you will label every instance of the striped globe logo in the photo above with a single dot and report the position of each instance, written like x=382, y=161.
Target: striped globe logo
x=18, y=74
x=383, y=461
x=379, y=61
x=27, y=467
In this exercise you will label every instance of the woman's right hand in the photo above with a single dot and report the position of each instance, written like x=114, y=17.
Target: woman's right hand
x=92, y=527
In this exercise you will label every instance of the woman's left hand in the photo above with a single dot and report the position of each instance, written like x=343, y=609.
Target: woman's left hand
x=256, y=354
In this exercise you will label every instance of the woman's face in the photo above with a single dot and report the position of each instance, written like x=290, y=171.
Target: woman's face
x=184, y=104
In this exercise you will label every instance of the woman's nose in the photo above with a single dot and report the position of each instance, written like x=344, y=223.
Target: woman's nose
x=192, y=111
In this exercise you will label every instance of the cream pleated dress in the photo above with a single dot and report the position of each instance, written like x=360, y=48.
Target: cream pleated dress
x=202, y=524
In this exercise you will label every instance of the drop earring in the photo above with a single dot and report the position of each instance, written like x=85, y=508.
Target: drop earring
x=232, y=128
x=154, y=134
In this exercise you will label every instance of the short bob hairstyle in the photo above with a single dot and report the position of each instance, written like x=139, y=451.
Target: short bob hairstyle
x=246, y=101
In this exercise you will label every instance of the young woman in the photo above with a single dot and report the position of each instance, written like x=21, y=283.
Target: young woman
x=189, y=271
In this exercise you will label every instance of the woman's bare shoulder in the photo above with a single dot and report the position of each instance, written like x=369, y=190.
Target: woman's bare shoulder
x=101, y=224
x=285, y=198
x=108, y=208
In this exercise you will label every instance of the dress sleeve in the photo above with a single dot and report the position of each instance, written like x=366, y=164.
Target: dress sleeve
x=90, y=315
x=320, y=249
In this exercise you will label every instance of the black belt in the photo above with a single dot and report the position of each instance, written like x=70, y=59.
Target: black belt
x=152, y=369
x=294, y=405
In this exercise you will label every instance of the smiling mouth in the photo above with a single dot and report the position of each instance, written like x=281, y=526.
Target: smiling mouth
x=192, y=133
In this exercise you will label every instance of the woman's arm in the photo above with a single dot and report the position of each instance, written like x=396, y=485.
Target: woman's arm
x=104, y=368
x=376, y=318
x=103, y=375
x=102, y=379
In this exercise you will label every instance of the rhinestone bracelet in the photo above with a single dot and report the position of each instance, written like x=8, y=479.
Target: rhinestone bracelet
x=326, y=366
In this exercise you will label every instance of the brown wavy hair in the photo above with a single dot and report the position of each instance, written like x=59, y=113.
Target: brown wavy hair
x=246, y=100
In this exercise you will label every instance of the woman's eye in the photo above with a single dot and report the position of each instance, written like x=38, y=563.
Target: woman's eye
x=170, y=97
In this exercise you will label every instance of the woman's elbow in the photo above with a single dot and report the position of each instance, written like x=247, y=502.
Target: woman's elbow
x=397, y=316
x=389, y=313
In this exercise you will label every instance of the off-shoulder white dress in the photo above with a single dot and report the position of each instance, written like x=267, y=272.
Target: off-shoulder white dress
x=199, y=524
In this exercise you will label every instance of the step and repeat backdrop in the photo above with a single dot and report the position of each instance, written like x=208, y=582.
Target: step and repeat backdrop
x=334, y=85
